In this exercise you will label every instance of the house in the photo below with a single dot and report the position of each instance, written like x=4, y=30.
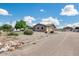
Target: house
x=44, y=28
x=15, y=30
x=67, y=28
x=76, y=29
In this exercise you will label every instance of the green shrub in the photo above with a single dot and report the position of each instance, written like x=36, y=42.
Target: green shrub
x=28, y=32
x=0, y=32
x=12, y=34
x=6, y=27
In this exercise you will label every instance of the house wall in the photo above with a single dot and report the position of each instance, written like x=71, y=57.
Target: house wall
x=67, y=29
x=43, y=28
x=49, y=29
x=76, y=30
x=39, y=28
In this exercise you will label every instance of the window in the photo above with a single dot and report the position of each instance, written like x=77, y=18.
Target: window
x=41, y=27
x=37, y=27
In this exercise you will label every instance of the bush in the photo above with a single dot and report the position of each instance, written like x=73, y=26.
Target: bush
x=6, y=27
x=12, y=34
x=0, y=32
x=28, y=32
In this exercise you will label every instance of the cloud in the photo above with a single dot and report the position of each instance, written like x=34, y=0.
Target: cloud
x=50, y=20
x=33, y=24
x=69, y=25
x=4, y=12
x=29, y=19
x=69, y=10
x=13, y=23
x=41, y=10
x=73, y=25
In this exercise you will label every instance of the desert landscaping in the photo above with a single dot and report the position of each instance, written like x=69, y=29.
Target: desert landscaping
x=42, y=44
x=31, y=29
x=38, y=40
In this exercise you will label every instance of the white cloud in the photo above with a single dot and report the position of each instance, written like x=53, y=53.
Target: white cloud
x=13, y=23
x=70, y=25
x=41, y=10
x=33, y=24
x=69, y=10
x=50, y=20
x=73, y=25
x=4, y=12
x=29, y=19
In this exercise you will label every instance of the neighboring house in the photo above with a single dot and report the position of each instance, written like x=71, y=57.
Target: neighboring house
x=44, y=28
x=76, y=29
x=18, y=30
x=67, y=28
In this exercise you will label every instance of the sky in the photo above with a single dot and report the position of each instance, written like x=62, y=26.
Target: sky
x=61, y=14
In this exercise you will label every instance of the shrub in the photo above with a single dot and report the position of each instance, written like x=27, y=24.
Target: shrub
x=6, y=27
x=0, y=32
x=12, y=34
x=28, y=32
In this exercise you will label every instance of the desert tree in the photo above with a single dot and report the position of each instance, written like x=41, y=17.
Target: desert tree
x=21, y=25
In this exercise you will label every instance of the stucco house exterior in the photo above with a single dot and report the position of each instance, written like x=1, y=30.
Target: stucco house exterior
x=76, y=29
x=44, y=28
x=67, y=28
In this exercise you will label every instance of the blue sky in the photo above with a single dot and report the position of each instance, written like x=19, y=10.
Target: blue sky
x=39, y=11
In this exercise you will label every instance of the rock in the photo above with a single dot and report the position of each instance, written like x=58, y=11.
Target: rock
x=1, y=45
x=34, y=43
x=4, y=48
x=11, y=45
x=11, y=49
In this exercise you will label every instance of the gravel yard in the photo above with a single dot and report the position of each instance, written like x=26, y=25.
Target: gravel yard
x=41, y=44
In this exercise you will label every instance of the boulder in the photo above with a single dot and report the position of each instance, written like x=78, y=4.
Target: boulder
x=11, y=45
